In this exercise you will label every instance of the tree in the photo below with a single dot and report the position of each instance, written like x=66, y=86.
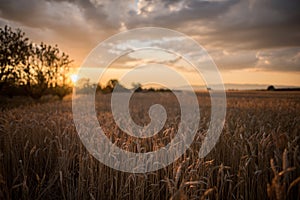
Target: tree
x=37, y=70
x=112, y=83
x=271, y=88
x=137, y=87
x=110, y=86
x=14, y=51
x=40, y=69
x=47, y=69
x=60, y=80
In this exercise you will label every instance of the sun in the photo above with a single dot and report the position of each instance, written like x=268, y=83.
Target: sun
x=74, y=78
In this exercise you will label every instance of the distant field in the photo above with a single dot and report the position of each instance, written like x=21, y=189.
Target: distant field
x=257, y=156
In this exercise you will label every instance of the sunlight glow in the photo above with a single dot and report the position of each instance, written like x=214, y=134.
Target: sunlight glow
x=74, y=78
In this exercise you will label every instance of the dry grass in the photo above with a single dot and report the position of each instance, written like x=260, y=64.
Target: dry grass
x=257, y=156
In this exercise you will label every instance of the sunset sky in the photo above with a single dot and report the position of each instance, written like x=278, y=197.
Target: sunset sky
x=255, y=42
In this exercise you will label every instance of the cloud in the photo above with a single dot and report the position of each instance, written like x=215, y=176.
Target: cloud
x=287, y=59
x=174, y=14
x=241, y=34
x=265, y=24
x=76, y=26
x=235, y=60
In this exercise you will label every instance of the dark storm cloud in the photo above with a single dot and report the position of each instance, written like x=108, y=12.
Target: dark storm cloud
x=249, y=24
x=76, y=26
x=50, y=13
x=27, y=12
x=174, y=14
x=287, y=59
x=244, y=28
x=93, y=13
x=262, y=24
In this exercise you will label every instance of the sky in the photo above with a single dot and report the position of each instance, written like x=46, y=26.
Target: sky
x=252, y=42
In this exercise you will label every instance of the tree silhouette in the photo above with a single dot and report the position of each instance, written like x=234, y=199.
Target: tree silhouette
x=14, y=51
x=47, y=69
x=137, y=87
x=271, y=88
x=110, y=86
x=40, y=69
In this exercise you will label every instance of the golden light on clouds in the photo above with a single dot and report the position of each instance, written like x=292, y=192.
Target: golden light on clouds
x=250, y=41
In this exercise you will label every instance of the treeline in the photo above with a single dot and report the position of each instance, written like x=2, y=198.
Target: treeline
x=31, y=69
x=84, y=86
x=272, y=88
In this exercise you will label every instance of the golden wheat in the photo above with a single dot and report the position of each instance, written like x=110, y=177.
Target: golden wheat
x=257, y=156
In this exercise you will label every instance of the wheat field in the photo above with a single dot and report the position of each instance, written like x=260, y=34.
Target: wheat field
x=256, y=157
